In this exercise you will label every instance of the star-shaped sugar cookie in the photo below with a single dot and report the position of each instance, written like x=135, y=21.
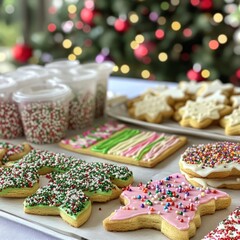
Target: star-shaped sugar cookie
x=209, y=88
x=171, y=205
x=231, y=122
x=200, y=114
x=151, y=109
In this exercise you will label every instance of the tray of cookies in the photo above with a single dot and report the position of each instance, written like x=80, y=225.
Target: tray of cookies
x=85, y=191
x=208, y=110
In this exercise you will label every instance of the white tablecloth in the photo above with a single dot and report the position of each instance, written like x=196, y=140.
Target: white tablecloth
x=12, y=230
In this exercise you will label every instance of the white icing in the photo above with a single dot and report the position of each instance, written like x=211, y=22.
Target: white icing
x=190, y=87
x=152, y=106
x=123, y=146
x=216, y=85
x=204, y=172
x=201, y=110
x=216, y=97
x=233, y=119
x=215, y=183
x=235, y=101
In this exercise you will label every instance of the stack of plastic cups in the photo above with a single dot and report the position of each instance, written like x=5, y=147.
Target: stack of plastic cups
x=44, y=111
x=23, y=79
x=61, y=68
x=10, y=120
x=104, y=70
x=39, y=73
x=82, y=106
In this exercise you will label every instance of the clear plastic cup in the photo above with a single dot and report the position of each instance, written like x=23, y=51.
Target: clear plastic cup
x=10, y=120
x=104, y=70
x=44, y=111
x=24, y=79
x=39, y=73
x=82, y=106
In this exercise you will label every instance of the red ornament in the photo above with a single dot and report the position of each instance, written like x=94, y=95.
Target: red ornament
x=121, y=25
x=205, y=5
x=22, y=52
x=194, y=76
x=142, y=51
x=87, y=15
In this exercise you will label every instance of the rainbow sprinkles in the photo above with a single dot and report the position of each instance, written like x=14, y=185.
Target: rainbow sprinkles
x=117, y=142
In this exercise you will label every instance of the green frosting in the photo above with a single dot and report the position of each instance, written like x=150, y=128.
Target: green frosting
x=106, y=145
x=148, y=148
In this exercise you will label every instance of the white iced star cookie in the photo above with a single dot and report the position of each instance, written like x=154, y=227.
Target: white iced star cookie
x=209, y=88
x=231, y=122
x=201, y=114
x=190, y=88
x=217, y=97
x=235, y=101
x=151, y=109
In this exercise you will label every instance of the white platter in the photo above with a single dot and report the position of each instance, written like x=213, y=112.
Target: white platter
x=119, y=112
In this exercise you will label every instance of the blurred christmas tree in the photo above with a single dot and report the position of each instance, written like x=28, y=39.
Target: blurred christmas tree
x=165, y=40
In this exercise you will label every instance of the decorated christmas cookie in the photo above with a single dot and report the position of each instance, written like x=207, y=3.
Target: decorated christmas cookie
x=227, y=182
x=231, y=122
x=235, y=101
x=209, y=88
x=116, y=142
x=217, y=97
x=200, y=114
x=212, y=160
x=190, y=88
x=11, y=152
x=171, y=205
x=227, y=229
x=73, y=184
x=151, y=109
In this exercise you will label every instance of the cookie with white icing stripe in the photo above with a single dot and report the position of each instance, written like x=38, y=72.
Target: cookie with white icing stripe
x=201, y=114
x=227, y=229
x=231, y=122
x=212, y=160
x=170, y=205
x=127, y=145
x=228, y=182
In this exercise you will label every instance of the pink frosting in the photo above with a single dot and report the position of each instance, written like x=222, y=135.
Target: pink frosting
x=172, y=198
x=135, y=149
x=161, y=147
x=91, y=137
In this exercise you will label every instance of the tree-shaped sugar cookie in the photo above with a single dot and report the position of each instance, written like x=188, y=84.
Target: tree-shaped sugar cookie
x=200, y=114
x=73, y=184
x=171, y=205
x=11, y=152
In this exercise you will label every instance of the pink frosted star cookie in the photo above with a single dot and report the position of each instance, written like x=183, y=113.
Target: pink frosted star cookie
x=227, y=229
x=171, y=205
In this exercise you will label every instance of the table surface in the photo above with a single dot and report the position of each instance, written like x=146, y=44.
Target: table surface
x=129, y=87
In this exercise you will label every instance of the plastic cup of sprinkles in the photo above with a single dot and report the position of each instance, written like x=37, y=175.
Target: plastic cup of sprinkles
x=39, y=73
x=23, y=79
x=82, y=106
x=10, y=120
x=44, y=111
x=104, y=70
